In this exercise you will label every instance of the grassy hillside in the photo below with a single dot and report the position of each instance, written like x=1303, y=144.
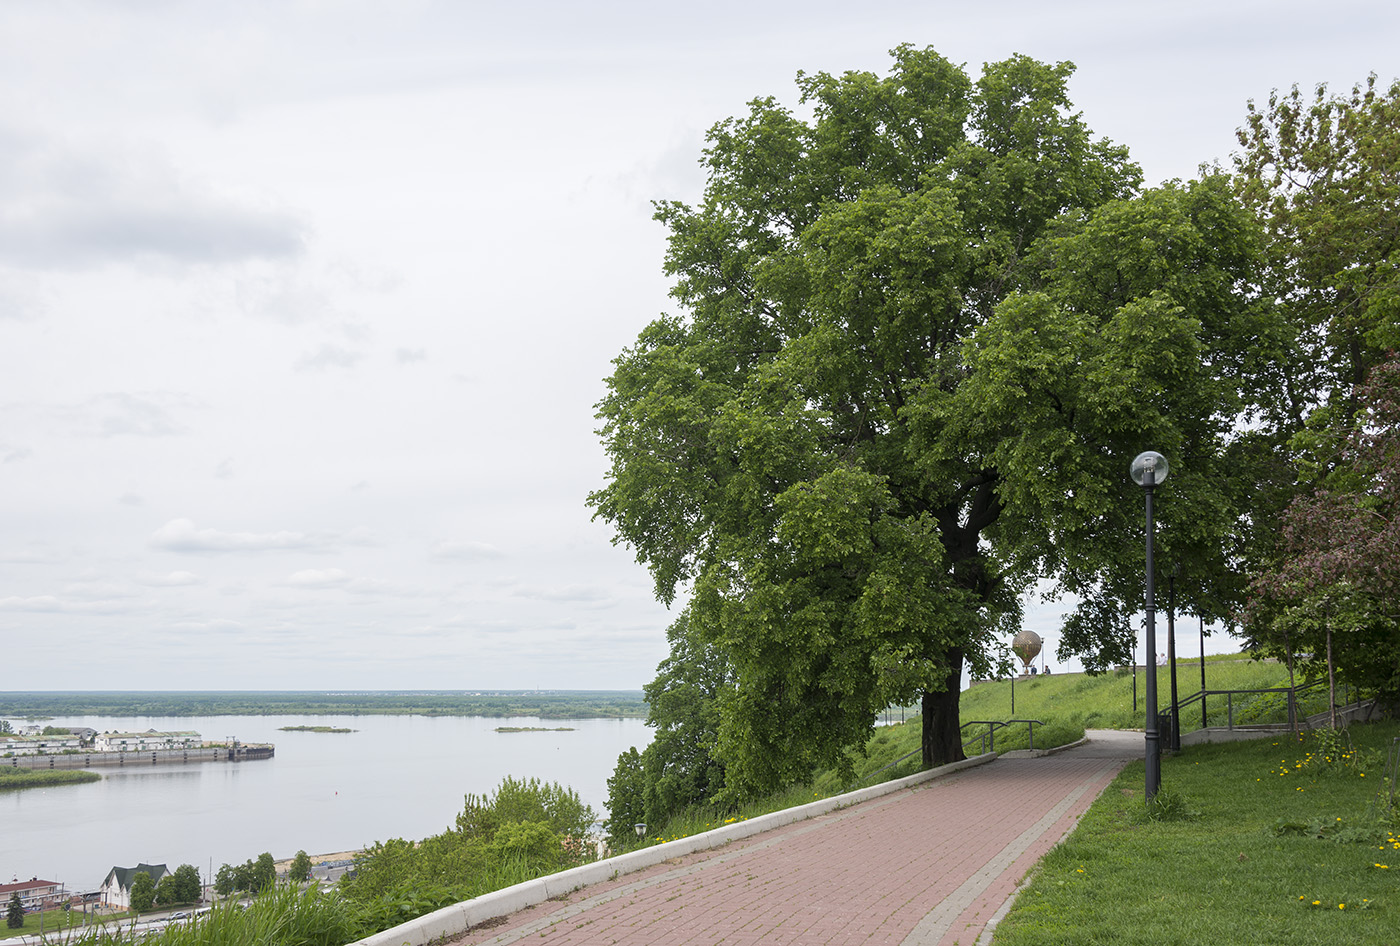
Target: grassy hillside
x=1106, y=701
x=1069, y=703
x=1066, y=704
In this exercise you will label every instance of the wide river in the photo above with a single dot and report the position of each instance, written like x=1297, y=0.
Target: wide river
x=394, y=777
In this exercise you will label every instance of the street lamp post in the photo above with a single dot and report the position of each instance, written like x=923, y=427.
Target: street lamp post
x=1149, y=470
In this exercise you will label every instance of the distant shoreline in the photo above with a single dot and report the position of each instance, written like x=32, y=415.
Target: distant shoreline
x=540, y=704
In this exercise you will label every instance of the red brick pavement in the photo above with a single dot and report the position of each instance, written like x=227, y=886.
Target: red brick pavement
x=928, y=865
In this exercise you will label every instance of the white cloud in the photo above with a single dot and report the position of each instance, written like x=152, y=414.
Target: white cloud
x=180, y=535
x=408, y=356
x=128, y=414
x=170, y=579
x=68, y=204
x=13, y=454
x=283, y=297
x=329, y=356
x=219, y=626
x=582, y=595
x=52, y=604
x=33, y=603
x=319, y=578
x=452, y=548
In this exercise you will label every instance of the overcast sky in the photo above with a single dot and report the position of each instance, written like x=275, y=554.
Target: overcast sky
x=304, y=307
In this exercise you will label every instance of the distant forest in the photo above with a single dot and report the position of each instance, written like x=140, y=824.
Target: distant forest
x=546, y=704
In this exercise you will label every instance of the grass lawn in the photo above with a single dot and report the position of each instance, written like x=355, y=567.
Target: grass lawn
x=12, y=779
x=53, y=922
x=1243, y=864
x=1106, y=701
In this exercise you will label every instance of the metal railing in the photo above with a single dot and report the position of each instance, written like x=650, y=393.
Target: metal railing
x=1293, y=693
x=988, y=738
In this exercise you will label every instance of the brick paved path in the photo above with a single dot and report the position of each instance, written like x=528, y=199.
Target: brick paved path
x=924, y=866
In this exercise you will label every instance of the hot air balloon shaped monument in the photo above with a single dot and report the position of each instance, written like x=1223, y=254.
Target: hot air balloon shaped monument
x=1026, y=645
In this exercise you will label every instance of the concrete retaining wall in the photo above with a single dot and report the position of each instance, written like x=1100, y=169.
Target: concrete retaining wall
x=88, y=760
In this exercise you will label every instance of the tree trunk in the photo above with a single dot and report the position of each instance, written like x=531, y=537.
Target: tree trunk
x=942, y=738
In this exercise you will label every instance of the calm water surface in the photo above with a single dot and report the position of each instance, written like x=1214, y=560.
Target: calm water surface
x=395, y=776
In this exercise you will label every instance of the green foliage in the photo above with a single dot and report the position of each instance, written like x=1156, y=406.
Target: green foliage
x=14, y=912
x=530, y=844
x=188, y=886
x=1320, y=171
x=626, y=799
x=225, y=880
x=548, y=803
x=679, y=768
x=167, y=892
x=300, y=869
x=16, y=778
x=264, y=872
x=143, y=892
x=525, y=829
x=924, y=333
x=284, y=916
x=1168, y=805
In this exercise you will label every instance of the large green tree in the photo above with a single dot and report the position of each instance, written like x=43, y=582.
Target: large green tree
x=189, y=888
x=300, y=869
x=143, y=892
x=1322, y=173
x=925, y=330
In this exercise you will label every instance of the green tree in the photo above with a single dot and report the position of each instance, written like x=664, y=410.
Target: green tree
x=5, y=726
x=1323, y=175
x=14, y=913
x=1322, y=172
x=225, y=880
x=245, y=877
x=143, y=892
x=188, y=886
x=167, y=891
x=1329, y=601
x=528, y=844
x=915, y=362
x=300, y=869
x=520, y=800
x=680, y=767
x=626, y=799
x=540, y=826
x=264, y=872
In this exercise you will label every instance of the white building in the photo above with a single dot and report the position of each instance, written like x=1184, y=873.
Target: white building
x=146, y=741
x=39, y=745
x=116, y=889
x=34, y=893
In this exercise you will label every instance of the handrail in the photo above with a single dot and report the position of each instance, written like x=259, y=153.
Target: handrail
x=988, y=739
x=1293, y=693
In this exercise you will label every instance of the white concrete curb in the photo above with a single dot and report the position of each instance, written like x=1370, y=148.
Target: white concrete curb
x=460, y=917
